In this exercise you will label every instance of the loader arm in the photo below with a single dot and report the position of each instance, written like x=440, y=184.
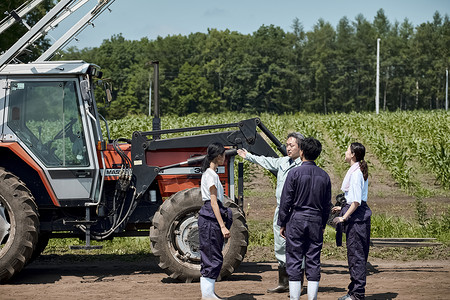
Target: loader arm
x=246, y=136
x=58, y=13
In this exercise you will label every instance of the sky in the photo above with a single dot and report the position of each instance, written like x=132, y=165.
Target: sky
x=136, y=19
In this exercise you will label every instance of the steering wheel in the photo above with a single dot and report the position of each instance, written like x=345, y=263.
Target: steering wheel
x=48, y=152
x=67, y=130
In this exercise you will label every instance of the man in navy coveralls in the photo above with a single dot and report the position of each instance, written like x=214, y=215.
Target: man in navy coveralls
x=304, y=209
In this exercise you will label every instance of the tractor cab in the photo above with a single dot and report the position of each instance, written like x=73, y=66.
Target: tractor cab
x=50, y=112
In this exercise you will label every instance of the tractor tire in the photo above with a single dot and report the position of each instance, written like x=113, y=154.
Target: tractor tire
x=174, y=237
x=41, y=244
x=20, y=215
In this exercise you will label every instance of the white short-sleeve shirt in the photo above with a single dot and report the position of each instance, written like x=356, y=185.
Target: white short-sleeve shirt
x=358, y=188
x=210, y=178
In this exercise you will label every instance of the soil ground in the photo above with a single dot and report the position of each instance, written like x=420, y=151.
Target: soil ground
x=53, y=278
x=139, y=277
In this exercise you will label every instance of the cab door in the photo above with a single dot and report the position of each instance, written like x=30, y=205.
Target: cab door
x=47, y=118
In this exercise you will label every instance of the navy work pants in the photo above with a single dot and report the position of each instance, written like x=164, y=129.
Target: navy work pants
x=211, y=239
x=304, y=238
x=211, y=244
x=358, y=240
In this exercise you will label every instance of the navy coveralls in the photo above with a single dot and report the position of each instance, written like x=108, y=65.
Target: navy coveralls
x=211, y=238
x=209, y=232
x=357, y=231
x=304, y=209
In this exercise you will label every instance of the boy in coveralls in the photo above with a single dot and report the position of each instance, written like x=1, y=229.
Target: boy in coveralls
x=214, y=221
x=304, y=210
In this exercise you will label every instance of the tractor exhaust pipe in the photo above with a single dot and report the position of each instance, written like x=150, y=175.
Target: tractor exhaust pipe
x=156, y=120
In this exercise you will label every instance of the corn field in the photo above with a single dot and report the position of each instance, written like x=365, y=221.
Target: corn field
x=405, y=143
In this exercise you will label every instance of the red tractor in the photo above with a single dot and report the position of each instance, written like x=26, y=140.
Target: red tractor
x=61, y=176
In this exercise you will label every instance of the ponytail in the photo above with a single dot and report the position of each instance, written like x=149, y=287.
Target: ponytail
x=364, y=169
x=205, y=163
x=360, y=151
x=214, y=150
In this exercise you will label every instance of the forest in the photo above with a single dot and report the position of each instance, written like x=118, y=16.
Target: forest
x=324, y=70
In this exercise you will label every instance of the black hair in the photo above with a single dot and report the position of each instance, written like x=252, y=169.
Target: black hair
x=214, y=149
x=360, y=151
x=311, y=148
x=297, y=135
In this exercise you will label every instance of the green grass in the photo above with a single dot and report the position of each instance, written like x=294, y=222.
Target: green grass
x=260, y=233
x=117, y=246
x=435, y=227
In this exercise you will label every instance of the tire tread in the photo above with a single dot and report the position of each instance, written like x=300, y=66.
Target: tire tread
x=20, y=200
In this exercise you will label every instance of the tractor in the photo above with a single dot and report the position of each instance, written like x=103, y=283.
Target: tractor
x=61, y=174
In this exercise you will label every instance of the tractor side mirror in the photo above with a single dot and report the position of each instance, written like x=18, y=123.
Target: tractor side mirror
x=108, y=88
x=108, y=95
x=106, y=85
x=85, y=90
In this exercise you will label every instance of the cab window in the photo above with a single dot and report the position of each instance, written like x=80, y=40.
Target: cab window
x=46, y=117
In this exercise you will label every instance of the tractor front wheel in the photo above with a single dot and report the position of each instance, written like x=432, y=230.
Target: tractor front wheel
x=174, y=237
x=19, y=225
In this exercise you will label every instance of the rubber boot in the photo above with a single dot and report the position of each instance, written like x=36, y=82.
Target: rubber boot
x=295, y=289
x=283, y=281
x=207, y=287
x=313, y=288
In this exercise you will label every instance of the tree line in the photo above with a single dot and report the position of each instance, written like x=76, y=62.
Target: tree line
x=323, y=70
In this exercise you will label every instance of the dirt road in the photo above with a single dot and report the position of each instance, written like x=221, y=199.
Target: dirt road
x=52, y=277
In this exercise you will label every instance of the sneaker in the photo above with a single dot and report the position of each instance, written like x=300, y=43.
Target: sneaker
x=346, y=297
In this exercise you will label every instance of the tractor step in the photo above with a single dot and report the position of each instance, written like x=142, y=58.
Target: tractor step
x=87, y=222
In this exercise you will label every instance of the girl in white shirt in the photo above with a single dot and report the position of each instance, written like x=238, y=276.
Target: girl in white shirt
x=355, y=218
x=214, y=221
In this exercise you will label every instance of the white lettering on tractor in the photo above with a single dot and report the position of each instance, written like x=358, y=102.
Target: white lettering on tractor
x=172, y=171
x=112, y=172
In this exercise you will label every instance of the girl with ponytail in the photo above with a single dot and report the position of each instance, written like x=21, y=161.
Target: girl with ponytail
x=214, y=221
x=354, y=217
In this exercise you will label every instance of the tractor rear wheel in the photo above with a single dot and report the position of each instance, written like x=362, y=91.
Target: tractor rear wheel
x=174, y=237
x=19, y=225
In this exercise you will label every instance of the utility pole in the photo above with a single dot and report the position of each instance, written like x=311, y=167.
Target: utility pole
x=377, y=93
x=446, y=89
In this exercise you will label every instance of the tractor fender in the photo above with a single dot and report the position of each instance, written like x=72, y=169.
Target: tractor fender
x=22, y=155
